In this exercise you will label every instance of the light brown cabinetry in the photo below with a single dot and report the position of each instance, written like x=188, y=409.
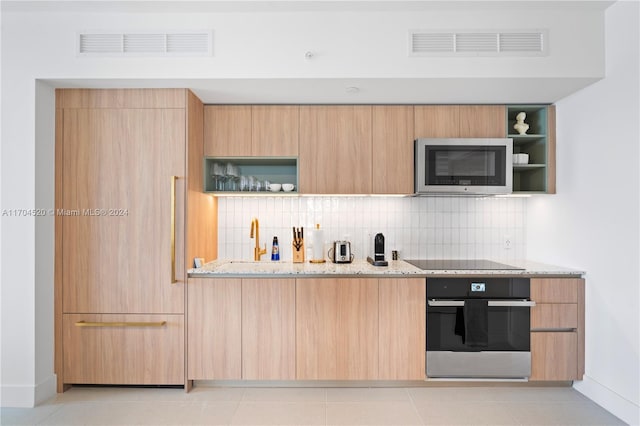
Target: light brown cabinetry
x=436, y=121
x=123, y=349
x=460, y=121
x=482, y=121
x=214, y=336
x=392, y=133
x=402, y=322
x=268, y=329
x=306, y=329
x=251, y=130
x=122, y=159
x=227, y=130
x=557, y=329
x=274, y=130
x=122, y=234
x=241, y=329
x=335, y=149
x=554, y=356
x=337, y=329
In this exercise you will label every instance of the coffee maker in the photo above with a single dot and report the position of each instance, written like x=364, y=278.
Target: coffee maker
x=378, y=251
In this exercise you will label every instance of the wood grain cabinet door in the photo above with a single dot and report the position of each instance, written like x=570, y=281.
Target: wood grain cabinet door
x=460, y=121
x=483, y=121
x=402, y=322
x=554, y=356
x=123, y=349
x=392, y=135
x=227, y=130
x=117, y=231
x=268, y=329
x=436, y=121
x=274, y=130
x=335, y=149
x=336, y=329
x=214, y=329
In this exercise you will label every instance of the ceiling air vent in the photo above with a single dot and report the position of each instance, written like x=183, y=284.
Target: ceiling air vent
x=478, y=43
x=183, y=43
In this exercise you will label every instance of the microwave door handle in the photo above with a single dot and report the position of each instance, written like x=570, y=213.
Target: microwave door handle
x=492, y=303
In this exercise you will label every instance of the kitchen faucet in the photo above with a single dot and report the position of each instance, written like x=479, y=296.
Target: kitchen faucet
x=257, y=251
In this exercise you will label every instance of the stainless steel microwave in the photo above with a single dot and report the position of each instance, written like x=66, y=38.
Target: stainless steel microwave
x=475, y=166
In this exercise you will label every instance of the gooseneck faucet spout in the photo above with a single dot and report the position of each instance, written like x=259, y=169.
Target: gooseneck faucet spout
x=255, y=231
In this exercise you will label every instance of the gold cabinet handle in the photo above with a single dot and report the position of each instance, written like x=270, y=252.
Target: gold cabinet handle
x=173, y=229
x=120, y=324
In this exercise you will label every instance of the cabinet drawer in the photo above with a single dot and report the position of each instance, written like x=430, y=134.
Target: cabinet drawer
x=123, y=349
x=554, y=356
x=555, y=290
x=554, y=316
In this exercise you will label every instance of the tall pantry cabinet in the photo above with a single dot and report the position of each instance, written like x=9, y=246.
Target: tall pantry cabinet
x=128, y=163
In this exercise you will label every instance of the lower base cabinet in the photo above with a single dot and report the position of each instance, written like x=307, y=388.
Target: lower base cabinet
x=336, y=329
x=123, y=349
x=554, y=356
x=557, y=329
x=306, y=329
x=402, y=334
x=214, y=329
x=268, y=329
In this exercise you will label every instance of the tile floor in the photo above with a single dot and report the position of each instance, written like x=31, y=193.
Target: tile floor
x=314, y=406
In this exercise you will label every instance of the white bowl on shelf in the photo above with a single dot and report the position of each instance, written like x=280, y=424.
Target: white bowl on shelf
x=288, y=187
x=275, y=187
x=520, y=158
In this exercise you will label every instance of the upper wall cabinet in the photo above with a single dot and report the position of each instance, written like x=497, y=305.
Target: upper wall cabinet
x=538, y=173
x=392, y=149
x=274, y=130
x=335, y=149
x=459, y=121
x=227, y=130
x=251, y=130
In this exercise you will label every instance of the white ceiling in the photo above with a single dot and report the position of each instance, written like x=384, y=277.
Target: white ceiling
x=330, y=90
x=212, y=6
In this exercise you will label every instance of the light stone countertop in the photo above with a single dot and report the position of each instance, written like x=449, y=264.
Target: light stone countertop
x=361, y=268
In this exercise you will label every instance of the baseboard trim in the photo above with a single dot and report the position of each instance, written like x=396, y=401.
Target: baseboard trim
x=617, y=405
x=28, y=396
x=46, y=389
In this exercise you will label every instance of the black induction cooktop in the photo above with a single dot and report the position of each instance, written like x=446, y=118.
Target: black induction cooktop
x=461, y=264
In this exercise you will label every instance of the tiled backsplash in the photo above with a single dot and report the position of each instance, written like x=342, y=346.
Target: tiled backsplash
x=425, y=227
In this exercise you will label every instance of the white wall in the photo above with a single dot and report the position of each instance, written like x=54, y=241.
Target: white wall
x=593, y=222
x=40, y=45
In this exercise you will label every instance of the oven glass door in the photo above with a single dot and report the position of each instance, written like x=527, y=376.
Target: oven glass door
x=508, y=329
x=465, y=165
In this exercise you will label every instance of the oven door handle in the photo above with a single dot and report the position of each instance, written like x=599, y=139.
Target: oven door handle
x=492, y=303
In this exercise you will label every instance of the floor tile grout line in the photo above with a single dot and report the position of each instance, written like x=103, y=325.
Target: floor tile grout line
x=42, y=421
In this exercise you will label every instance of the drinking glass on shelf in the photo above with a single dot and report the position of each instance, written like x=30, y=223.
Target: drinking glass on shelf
x=218, y=175
x=253, y=183
x=244, y=183
x=231, y=175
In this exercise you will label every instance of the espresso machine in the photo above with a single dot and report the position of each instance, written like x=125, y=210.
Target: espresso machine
x=378, y=252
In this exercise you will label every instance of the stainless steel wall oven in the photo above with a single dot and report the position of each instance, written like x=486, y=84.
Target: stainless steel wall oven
x=478, y=328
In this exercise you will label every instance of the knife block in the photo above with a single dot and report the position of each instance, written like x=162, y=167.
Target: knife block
x=298, y=253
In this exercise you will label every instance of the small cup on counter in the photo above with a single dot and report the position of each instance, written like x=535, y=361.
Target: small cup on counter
x=288, y=187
